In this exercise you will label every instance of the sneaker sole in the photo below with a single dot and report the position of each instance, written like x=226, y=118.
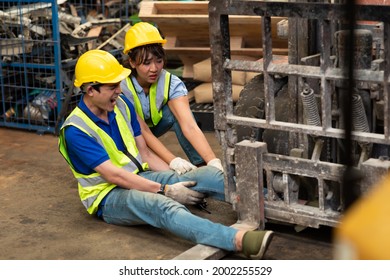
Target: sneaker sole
x=264, y=246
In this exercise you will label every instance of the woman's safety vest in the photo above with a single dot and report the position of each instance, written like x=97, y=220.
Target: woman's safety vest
x=93, y=187
x=158, y=97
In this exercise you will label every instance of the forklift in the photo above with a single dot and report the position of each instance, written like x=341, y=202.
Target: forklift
x=310, y=134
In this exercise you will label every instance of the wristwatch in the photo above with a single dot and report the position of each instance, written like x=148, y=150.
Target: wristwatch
x=162, y=189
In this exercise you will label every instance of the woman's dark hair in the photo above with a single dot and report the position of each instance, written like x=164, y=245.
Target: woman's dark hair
x=139, y=54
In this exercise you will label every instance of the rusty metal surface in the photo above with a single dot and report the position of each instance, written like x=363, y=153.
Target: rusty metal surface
x=318, y=168
x=249, y=193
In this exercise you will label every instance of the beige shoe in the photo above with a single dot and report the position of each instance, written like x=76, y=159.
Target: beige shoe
x=255, y=243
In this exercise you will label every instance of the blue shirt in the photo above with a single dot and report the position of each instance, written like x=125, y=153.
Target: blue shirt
x=176, y=89
x=84, y=152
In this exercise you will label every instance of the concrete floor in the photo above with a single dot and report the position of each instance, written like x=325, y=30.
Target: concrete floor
x=42, y=218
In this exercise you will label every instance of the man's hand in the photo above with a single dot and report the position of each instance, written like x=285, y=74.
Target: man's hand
x=215, y=163
x=182, y=193
x=181, y=166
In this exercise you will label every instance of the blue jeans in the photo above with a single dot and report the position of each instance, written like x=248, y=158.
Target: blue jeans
x=131, y=207
x=169, y=121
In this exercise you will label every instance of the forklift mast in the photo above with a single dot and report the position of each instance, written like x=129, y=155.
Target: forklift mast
x=310, y=133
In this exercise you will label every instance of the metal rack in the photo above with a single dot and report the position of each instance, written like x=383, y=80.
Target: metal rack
x=39, y=47
x=30, y=77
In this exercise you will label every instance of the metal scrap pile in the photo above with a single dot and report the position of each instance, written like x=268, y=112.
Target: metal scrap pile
x=39, y=46
x=30, y=28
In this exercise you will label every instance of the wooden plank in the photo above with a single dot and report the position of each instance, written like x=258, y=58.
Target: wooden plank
x=171, y=43
x=255, y=52
x=112, y=38
x=173, y=7
x=203, y=252
x=185, y=25
x=193, y=16
x=175, y=19
x=93, y=32
x=189, y=56
x=236, y=42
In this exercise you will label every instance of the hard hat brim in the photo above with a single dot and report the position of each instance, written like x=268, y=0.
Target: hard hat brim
x=163, y=41
x=125, y=73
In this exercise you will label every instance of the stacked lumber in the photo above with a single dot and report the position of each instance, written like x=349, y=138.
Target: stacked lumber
x=203, y=93
x=185, y=25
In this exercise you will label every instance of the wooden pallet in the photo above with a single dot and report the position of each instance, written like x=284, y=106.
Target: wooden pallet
x=185, y=25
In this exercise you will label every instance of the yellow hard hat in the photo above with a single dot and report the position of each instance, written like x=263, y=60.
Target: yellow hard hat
x=142, y=33
x=98, y=66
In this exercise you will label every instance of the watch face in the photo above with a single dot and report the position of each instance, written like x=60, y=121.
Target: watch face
x=162, y=189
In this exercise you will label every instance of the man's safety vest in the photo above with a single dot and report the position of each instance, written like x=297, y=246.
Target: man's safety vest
x=158, y=97
x=93, y=187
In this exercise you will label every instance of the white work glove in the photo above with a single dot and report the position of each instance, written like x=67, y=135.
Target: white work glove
x=182, y=193
x=215, y=163
x=181, y=166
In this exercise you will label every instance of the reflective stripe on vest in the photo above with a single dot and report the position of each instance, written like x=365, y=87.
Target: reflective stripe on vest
x=158, y=97
x=92, y=187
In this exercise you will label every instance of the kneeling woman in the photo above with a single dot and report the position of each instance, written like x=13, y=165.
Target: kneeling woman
x=160, y=98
